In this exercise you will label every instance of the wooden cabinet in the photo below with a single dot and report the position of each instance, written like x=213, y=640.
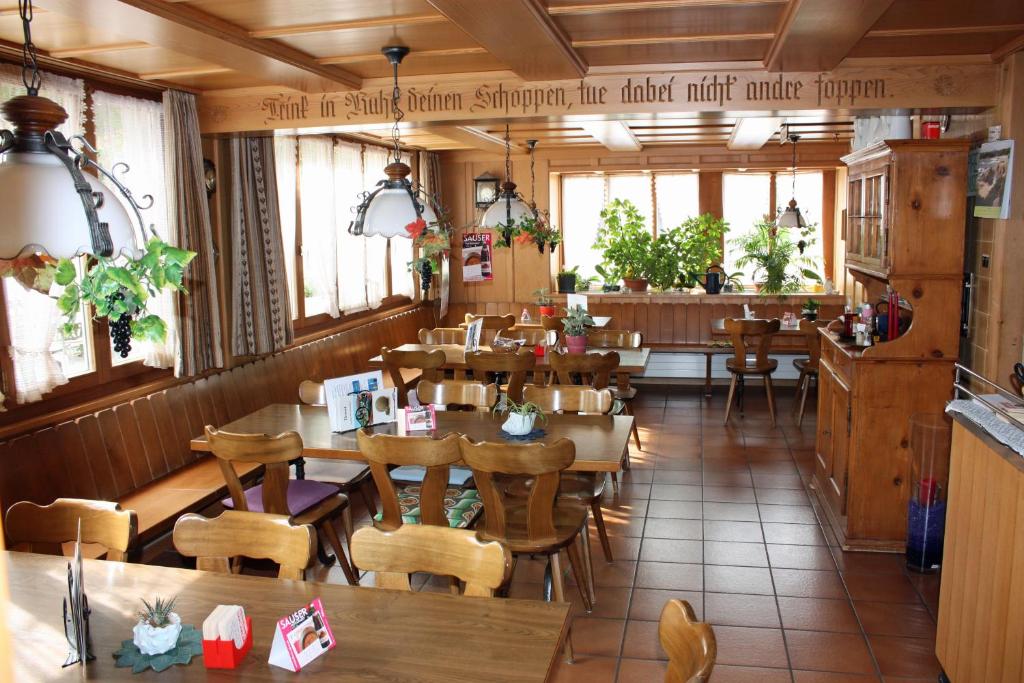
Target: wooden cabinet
x=905, y=230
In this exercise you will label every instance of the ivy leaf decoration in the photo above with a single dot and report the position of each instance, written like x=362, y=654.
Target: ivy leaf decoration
x=66, y=273
x=190, y=644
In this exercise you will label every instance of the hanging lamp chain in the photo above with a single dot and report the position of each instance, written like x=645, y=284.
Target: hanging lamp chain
x=396, y=95
x=533, y=185
x=29, y=57
x=794, y=139
x=508, y=154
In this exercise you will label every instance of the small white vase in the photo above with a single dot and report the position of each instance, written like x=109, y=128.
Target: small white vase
x=156, y=641
x=519, y=425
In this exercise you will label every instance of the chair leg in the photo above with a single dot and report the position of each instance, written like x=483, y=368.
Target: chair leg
x=367, y=496
x=803, y=400
x=797, y=390
x=771, y=397
x=339, y=551
x=636, y=432
x=559, y=590
x=588, y=560
x=579, y=573
x=728, y=401
x=602, y=532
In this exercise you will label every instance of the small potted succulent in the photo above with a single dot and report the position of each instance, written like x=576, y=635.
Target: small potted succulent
x=567, y=280
x=575, y=324
x=544, y=301
x=521, y=416
x=158, y=628
x=810, y=311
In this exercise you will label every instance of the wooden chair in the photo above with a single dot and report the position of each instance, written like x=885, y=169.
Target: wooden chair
x=394, y=555
x=808, y=367
x=533, y=336
x=620, y=339
x=458, y=392
x=428, y=362
x=690, y=644
x=214, y=542
x=540, y=524
x=513, y=367
x=742, y=331
x=585, y=487
x=43, y=528
x=552, y=323
x=492, y=323
x=433, y=500
x=348, y=475
x=443, y=335
x=303, y=501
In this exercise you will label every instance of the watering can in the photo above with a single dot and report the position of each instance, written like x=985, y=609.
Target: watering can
x=712, y=282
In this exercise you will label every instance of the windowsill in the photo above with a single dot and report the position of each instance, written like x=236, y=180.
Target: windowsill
x=748, y=296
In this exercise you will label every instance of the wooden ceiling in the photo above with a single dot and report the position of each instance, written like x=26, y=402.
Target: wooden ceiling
x=334, y=45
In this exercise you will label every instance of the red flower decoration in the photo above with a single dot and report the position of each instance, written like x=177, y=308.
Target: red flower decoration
x=524, y=238
x=416, y=228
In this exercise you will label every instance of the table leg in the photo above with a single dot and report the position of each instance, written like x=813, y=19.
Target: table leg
x=707, y=375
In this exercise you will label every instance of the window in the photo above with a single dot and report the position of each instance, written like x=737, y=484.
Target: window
x=670, y=198
x=746, y=198
x=809, y=189
x=319, y=179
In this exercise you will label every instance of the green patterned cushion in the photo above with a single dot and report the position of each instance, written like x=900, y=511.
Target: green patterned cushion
x=461, y=506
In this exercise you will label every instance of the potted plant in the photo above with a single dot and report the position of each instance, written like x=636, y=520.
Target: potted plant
x=663, y=261
x=810, y=311
x=158, y=628
x=521, y=416
x=609, y=277
x=698, y=240
x=537, y=228
x=544, y=301
x=777, y=257
x=567, y=280
x=627, y=244
x=575, y=325
x=732, y=282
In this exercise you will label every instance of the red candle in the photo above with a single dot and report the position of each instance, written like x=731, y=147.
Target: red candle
x=928, y=487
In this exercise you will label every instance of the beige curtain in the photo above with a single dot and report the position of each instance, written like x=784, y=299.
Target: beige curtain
x=261, y=320
x=189, y=217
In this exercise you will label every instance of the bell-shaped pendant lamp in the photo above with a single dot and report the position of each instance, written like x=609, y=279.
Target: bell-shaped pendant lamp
x=49, y=205
x=790, y=217
x=509, y=208
x=397, y=202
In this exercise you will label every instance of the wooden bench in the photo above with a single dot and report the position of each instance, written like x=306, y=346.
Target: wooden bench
x=137, y=452
x=712, y=349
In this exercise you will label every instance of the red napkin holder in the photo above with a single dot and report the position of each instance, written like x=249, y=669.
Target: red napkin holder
x=539, y=350
x=222, y=654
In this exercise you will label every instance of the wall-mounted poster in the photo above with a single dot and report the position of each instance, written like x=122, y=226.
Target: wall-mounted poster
x=476, y=257
x=995, y=163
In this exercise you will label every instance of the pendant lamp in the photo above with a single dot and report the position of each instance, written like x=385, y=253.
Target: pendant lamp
x=49, y=205
x=506, y=212
x=790, y=217
x=397, y=202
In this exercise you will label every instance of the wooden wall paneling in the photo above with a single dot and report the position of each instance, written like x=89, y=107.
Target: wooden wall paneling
x=710, y=194
x=152, y=441
x=668, y=312
x=53, y=464
x=220, y=407
x=69, y=439
x=204, y=401
x=21, y=473
x=247, y=386
x=232, y=398
x=191, y=403
x=127, y=474
x=172, y=425
x=184, y=426
x=135, y=449
x=96, y=457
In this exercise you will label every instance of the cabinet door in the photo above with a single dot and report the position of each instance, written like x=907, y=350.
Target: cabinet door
x=823, y=450
x=840, y=444
x=867, y=228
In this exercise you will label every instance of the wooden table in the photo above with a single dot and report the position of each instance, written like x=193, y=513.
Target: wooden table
x=601, y=440
x=631, y=361
x=382, y=635
x=718, y=329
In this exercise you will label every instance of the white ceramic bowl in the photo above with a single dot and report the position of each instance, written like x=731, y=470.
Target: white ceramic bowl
x=601, y=320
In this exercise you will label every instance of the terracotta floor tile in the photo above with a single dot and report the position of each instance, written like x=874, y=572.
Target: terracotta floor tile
x=790, y=514
x=674, y=508
x=739, y=479
x=670, y=550
x=723, y=579
x=905, y=657
x=895, y=619
x=612, y=603
x=691, y=477
x=623, y=547
x=742, y=532
x=830, y=677
x=793, y=534
x=737, y=512
x=675, y=492
x=870, y=563
x=688, y=464
x=595, y=636
x=800, y=557
x=682, y=529
x=728, y=494
x=725, y=673
x=880, y=587
x=744, y=646
x=617, y=574
x=818, y=614
x=820, y=651
x=668, y=576
x=735, y=609
x=642, y=670
x=641, y=641
x=638, y=475
x=736, y=554
x=585, y=669
x=808, y=583
x=647, y=603
x=778, y=481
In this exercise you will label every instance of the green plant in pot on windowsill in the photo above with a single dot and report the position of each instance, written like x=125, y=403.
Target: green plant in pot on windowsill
x=609, y=278
x=810, y=311
x=575, y=324
x=778, y=257
x=568, y=279
x=626, y=244
x=699, y=241
x=543, y=300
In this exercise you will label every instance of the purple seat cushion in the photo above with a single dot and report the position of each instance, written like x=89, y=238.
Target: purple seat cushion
x=302, y=495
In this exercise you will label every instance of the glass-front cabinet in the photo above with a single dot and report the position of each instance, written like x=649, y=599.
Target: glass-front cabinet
x=867, y=219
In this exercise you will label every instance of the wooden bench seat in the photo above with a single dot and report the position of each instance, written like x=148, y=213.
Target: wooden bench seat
x=717, y=349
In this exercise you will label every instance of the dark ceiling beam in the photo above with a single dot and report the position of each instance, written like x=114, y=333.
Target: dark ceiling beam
x=816, y=35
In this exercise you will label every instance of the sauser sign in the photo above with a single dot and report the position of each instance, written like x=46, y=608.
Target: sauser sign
x=890, y=88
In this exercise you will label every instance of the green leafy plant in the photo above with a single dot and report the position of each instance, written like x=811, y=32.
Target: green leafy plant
x=576, y=321
x=625, y=241
x=157, y=614
x=538, y=229
x=542, y=297
x=575, y=270
x=734, y=279
x=433, y=241
x=777, y=257
x=812, y=305
x=698, y=240
x=118, y=289
x=525, y=408
x=663, y=264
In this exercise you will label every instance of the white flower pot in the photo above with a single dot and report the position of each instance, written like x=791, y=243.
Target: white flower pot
x=519, y=425
x=156, y=641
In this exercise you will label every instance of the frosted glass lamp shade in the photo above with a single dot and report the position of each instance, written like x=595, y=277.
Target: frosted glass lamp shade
x=42, y=212
x=390, y=211
x=497, y=215
x=790, y=217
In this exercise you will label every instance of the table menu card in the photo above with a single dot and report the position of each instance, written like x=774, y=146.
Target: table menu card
x=301, y=637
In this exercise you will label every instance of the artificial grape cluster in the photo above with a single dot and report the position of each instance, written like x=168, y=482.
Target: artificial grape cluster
x=121, y=329
x=426, y=275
